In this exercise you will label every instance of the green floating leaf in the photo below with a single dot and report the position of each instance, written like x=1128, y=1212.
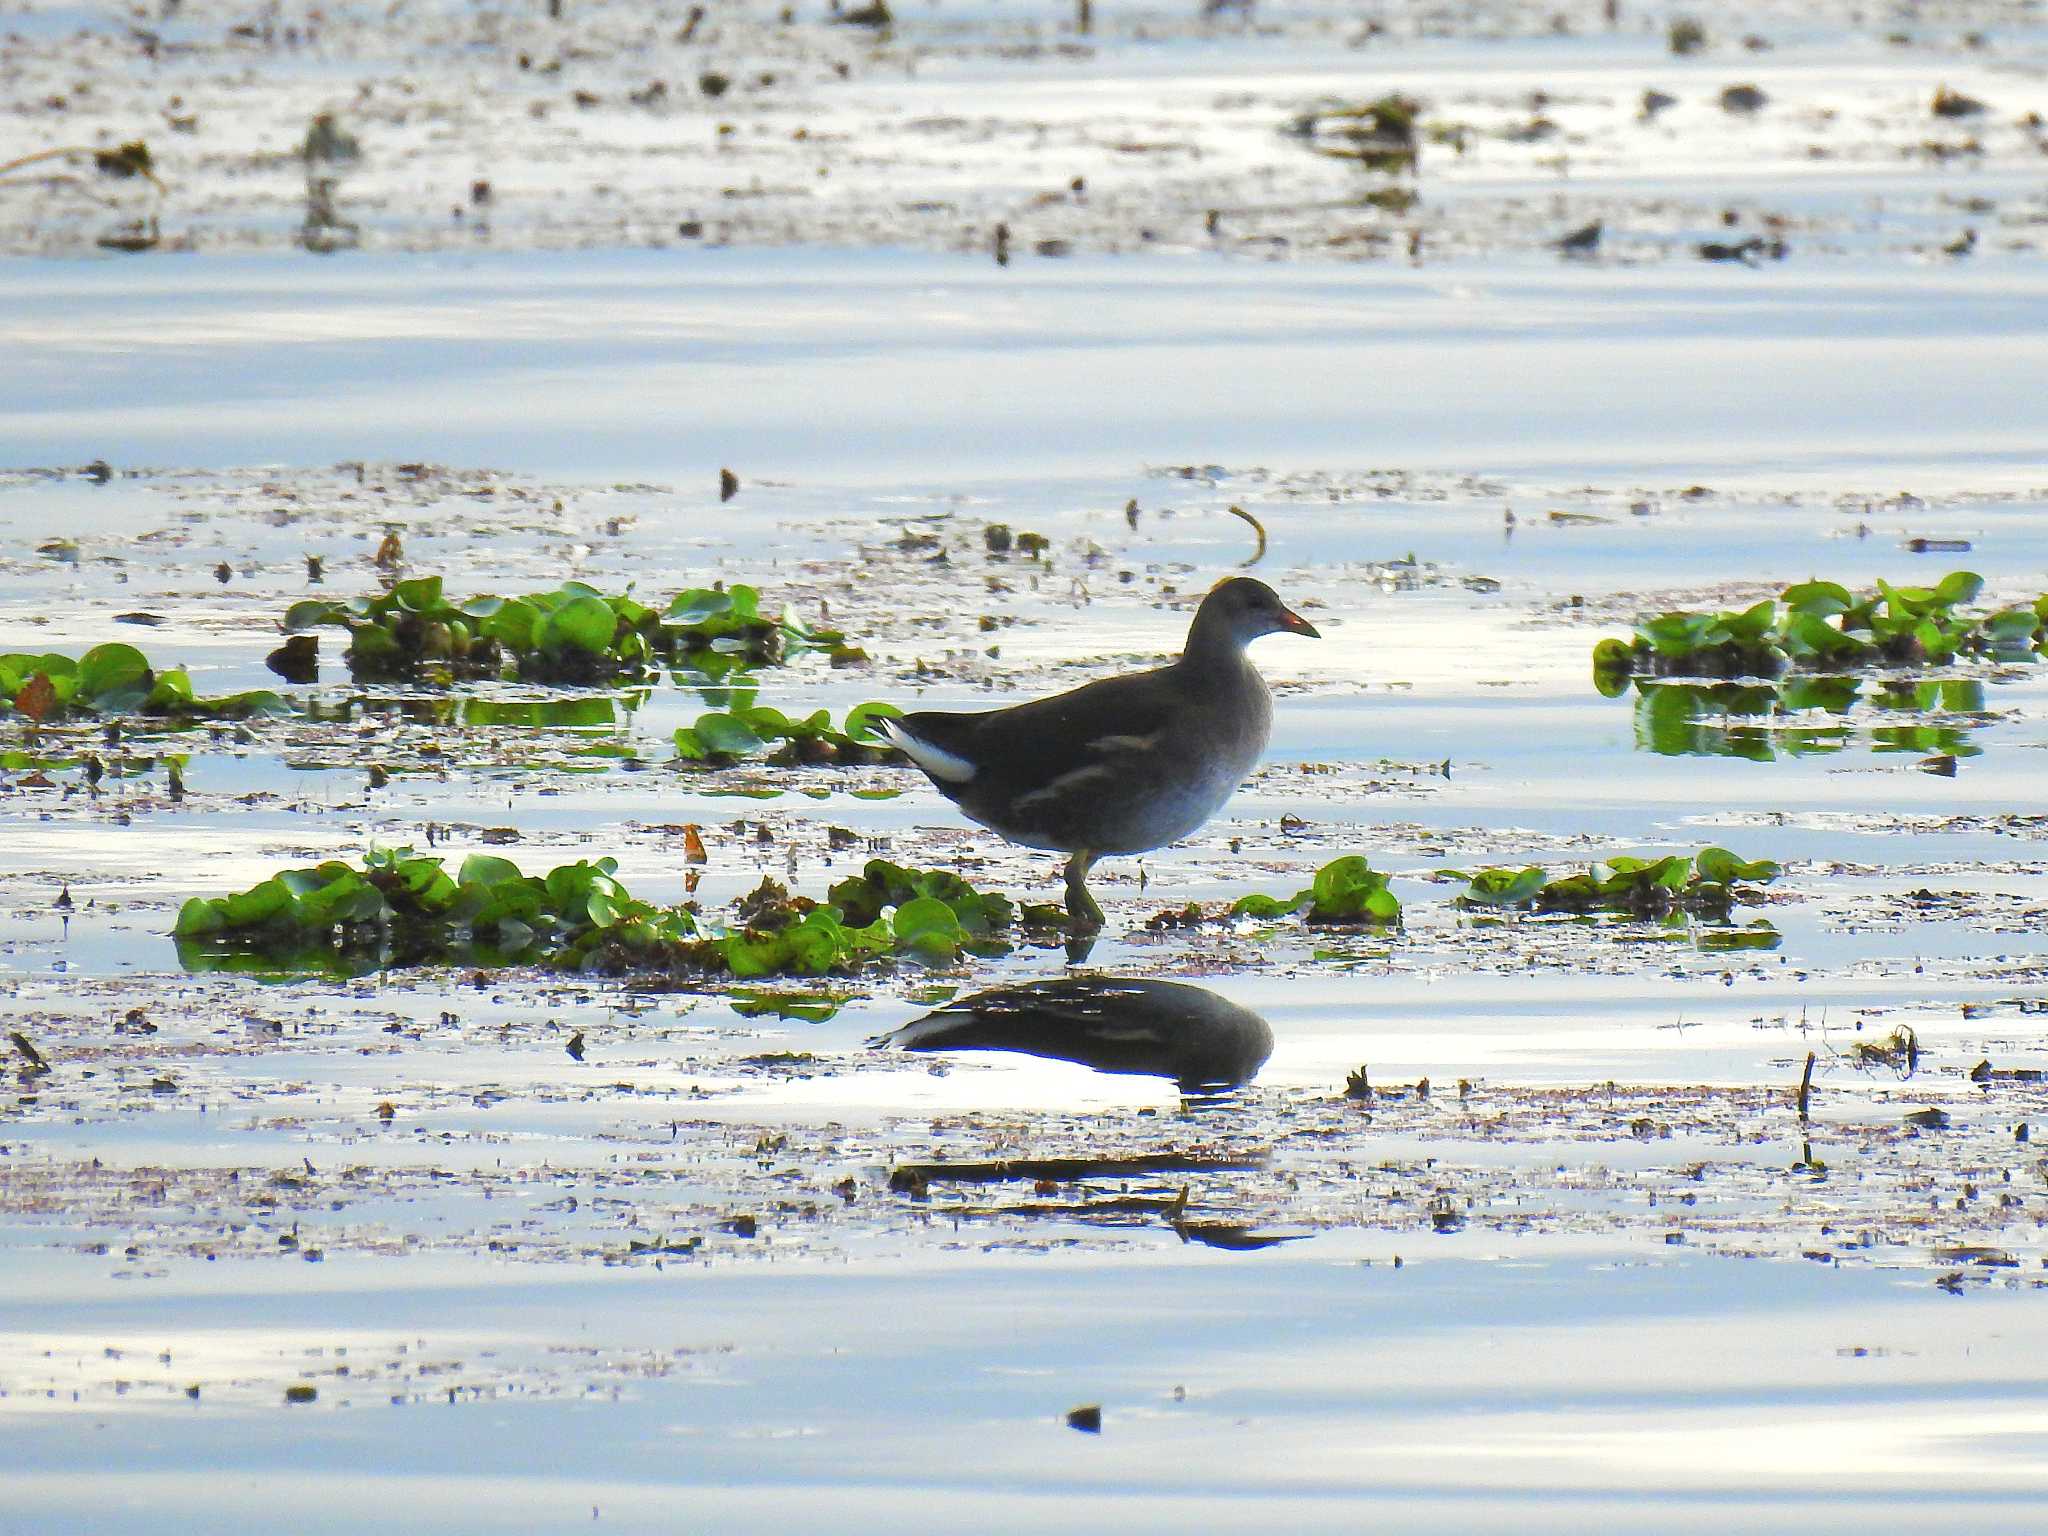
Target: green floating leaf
x=1504, y=887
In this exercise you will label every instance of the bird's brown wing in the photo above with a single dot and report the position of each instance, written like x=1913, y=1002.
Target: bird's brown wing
x=1031, y=748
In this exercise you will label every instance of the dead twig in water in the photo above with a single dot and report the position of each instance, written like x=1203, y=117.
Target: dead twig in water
x=1258, y=528
x=1805, y=1087
x=131, y=159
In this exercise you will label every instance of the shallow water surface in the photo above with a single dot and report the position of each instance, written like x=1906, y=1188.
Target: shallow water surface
x=738, y=1249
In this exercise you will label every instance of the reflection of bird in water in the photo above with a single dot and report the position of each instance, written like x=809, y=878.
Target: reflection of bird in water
x=1205, y=1043
x=1121, y=765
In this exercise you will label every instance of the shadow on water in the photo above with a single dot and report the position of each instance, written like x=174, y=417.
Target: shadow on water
x=1206, y=1044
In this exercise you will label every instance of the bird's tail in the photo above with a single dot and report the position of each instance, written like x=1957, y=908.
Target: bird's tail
x=946, y=767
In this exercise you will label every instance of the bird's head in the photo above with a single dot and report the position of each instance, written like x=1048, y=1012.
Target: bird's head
x=1240, y=610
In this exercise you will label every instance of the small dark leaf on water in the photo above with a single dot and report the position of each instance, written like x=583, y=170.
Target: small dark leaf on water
x=379, y=776
x=728, y=485
x=316, y=568
x=223, y=573
x=575, y=1045
x=130, y=159
x=1087, y=1419
x=391, y=553
x=38, y=696
x=1928, y=1120
x=149, y=620
x=29, y=1053
x=297, y=660
x=301, y=1393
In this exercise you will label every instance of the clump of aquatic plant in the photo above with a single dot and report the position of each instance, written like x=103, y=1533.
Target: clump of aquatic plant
x=882, y=885
x=1899, y=1050
x=1706, y=884
x=723, y=737
x=398, y=907
x=1380, y=135
x=111, y=680
x=1803, y=716
x=574, y=634
x=1821, y=626
x=1346, y=892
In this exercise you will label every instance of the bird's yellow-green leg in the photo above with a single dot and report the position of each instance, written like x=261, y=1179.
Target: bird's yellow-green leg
x=1083, y=915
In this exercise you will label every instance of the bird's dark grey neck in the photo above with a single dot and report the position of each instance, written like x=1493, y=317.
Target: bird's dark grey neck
x=1216, y=653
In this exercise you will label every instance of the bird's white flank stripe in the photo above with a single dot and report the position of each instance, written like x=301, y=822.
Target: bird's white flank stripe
x=1071, y=780
x=937, y=762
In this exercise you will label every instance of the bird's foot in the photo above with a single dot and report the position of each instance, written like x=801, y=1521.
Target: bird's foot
x=1083, y=915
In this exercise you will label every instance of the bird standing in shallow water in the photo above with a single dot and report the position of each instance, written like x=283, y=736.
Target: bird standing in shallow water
x=1119, y=766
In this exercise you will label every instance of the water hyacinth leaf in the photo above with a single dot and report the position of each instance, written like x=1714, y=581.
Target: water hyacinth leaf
x=199, y=916
x=1504, y=887
x=1958, y=587
x=819, y=943
x=422, y=594
x=316, y=611
x=1265, y=907
x=862, y=718
x=698, y=605
x=488, y=871
x=585, y=621
x=2013, y=628
x=1718, y=866
x=1349, y=889
x=515, y=625
x=1752, y=623
x=1757, y=935
x=1821, y=599
x=110, y=669
x=929, y=928
x=1613, y=661
x=726, y=735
